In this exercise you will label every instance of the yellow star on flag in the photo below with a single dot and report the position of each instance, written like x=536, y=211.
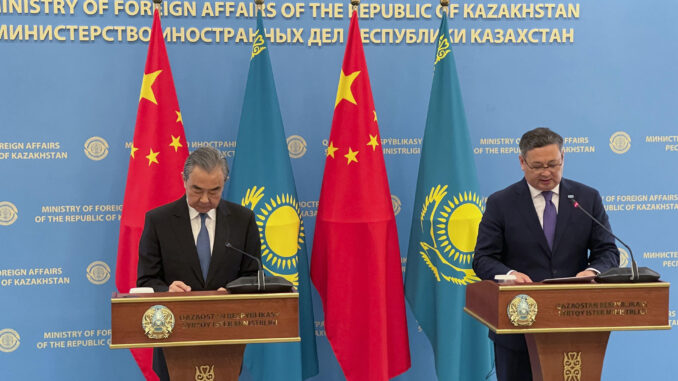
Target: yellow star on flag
x=146, y=86
x=351, y=156
x=176, y=143
x=344, y=89
x=152, y=157
x=373, y=142
x=133, y=150
x=331, y=149
x=179, y=117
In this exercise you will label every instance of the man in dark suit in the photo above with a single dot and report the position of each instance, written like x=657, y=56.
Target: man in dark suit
x=532, y=231
x=183, y=245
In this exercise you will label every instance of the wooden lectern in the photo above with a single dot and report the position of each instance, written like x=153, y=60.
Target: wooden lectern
x=203, y=333
x=567, y=326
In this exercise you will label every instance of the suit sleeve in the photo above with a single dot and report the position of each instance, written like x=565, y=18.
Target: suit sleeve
x=487, y=259
x=252, y=246
x=149, y=270
x=603, y=252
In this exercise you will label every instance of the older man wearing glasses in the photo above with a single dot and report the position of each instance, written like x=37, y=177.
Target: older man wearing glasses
x=532, y=231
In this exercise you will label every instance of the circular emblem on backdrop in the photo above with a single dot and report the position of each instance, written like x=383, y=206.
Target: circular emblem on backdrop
x=158, y=322
x=396, y=204
x=624, y=258
x=9, y=340
x=98, y=272
x=620, y=142
x=522, y=311
x=449, y=227
x=296, y=145
x=96, y=148
x=281, y=230
x=8, y=213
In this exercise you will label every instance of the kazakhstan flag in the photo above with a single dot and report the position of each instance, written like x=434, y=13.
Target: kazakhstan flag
x=262, y=180
x=445, y=222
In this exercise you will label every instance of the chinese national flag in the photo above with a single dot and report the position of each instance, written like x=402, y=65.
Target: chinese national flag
x=355, y=264
x=157, y=157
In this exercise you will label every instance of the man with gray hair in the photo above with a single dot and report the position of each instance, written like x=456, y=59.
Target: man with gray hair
x=531, y=231
x=183, y=244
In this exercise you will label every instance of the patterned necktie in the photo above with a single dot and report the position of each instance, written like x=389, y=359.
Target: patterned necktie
x=203, y=246
x=550, y=216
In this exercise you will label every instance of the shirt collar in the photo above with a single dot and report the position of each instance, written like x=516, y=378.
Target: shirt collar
x=192, y=213
x=534, y=192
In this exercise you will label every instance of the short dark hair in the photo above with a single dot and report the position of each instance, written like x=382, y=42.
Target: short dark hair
x=539, y=137
x=206, y=158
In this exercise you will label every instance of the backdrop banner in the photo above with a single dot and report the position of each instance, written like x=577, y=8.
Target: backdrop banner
x=601, y=73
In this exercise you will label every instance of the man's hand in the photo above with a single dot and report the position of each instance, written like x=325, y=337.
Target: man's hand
x=179, y=286
x=223, y=289
x=586, y=273
x=521, y=278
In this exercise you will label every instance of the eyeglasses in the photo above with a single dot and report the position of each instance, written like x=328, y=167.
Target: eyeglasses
x=540, y=167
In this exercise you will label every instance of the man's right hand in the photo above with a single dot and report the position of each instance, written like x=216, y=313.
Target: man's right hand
x=179, y=286
x=521, y=278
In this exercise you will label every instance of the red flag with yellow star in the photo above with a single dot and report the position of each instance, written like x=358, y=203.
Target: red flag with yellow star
x=355, y=264
x=157, y=158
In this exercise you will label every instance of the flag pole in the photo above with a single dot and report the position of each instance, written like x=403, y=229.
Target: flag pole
x=156, y=5
x=355, y=4
x=445, y=4
x=260, y=6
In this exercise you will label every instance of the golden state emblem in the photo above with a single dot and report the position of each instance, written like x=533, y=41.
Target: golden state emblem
x=443, y=49
x=522, y=311
x=204, y=373
x=452, y=223
x=96, y=148
x=9, y=340
x=8, y=213
x=158, y=322
x=98, y=272
x=258, y=44
x=281, y=230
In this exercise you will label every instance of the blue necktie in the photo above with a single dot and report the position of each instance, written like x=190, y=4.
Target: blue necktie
x=203, y=246
x=550, y=216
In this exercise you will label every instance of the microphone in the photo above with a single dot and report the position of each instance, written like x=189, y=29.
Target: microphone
x=263, y=283
x=261, y=276
x=619, y=274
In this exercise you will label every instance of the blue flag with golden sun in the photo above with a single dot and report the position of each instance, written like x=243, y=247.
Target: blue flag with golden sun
x=445, y=222
x=262, y=180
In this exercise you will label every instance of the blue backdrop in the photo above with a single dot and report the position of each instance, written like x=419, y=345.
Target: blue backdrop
x=601, y=73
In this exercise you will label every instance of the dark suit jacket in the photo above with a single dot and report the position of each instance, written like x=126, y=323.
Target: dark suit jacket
x=167, y=249
x=510, y=237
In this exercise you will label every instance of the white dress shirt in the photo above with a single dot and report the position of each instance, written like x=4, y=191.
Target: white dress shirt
x=210, y=224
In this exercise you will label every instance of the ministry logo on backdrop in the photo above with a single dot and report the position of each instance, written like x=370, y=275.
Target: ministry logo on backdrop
x=8, y=213
x=620, y=142
x=96, y=148
x=297, y=146
x=452, y=221
x=624, y=258
x=397, y=204
x=9, y=340
x=98, y=272
x=281, y=230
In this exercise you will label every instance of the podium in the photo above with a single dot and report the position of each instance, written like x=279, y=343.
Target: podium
x=567, y=326
x=203, y=333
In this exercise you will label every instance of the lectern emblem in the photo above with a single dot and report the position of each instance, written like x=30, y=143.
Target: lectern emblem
x=204, y=373
x=158, y=322
x=522, y=311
